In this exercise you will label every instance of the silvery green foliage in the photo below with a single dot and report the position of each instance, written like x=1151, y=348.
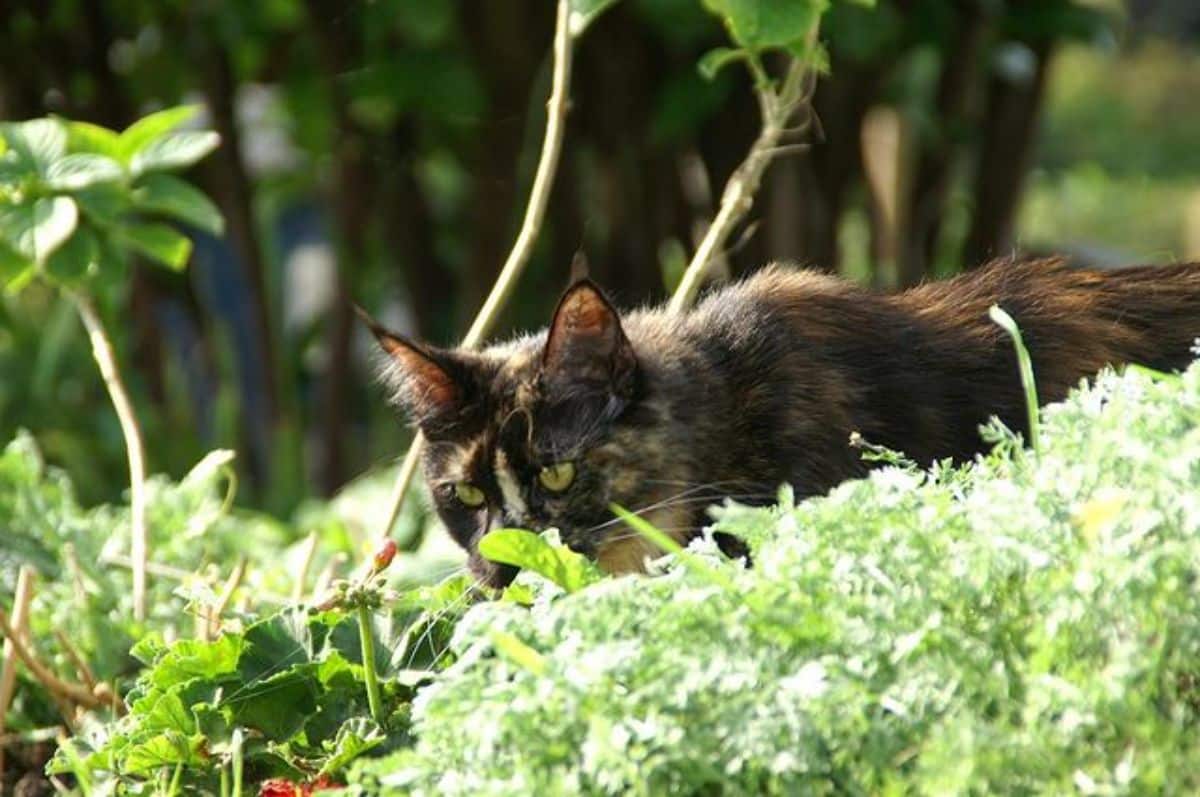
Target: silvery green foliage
x=1024, y=625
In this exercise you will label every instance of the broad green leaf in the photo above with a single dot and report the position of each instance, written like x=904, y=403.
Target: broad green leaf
x=162, y=193
x=104, y=204
x=763, y=24
x=151, y=128
x=35, y=229
x=518, y=652
x=75, y=261
x=12, y=265
x=174, y=151
x=277, y=705
x=190, y=658
x=564, y=567
x=355, y=737
x=715, y=60
x=584, y=13
x=84, y=137
x=157, y=242
x=167, y=750
x=39, y=142
x=81, y=171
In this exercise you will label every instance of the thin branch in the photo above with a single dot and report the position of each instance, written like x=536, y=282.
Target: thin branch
x=102, y=352
x=535, y=212
x=778, y=108
x=26, y=577
x=57, y=686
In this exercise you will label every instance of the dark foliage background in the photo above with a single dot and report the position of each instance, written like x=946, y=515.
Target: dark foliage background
x=381, y=150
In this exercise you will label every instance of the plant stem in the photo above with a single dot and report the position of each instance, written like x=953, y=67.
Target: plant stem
x=26, y=577
x=236, y=762
x=1025, y=366
x=777, y=109
x=367, y=637
x=535, y=212
x=102, y=352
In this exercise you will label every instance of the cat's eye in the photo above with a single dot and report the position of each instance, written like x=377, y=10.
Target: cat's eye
x=557, y=477
x=468, y=494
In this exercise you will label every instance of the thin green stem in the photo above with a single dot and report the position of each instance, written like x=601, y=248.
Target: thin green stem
x=1025, y=364
x=367, y=636
x=237, y=762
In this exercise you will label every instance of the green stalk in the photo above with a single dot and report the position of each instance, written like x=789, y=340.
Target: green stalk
x=237, y=762
x=367, y=637
x=1006, y=322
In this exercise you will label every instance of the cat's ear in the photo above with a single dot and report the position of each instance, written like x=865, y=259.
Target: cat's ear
x=420, y=376
x=586, y=344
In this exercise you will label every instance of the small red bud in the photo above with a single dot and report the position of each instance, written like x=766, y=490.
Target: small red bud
x=384, y=554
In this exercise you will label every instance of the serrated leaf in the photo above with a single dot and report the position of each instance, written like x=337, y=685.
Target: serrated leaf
x=584, y=13
x=36, y=229
x=763, y=24
x=82, y=170
x=167, y=750
x=84, y=137
x=75, y=261
x=157, y=242
x=357, y=735
x=38, y=142
x=569, y=570
x=174, y=151
x=150, y=128
x=162, y=193
x=715, y=60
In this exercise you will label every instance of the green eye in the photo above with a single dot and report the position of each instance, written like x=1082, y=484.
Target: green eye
x=469, y=494
x=557, y=477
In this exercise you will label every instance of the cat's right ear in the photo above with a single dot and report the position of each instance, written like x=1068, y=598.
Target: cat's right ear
x=419, y=376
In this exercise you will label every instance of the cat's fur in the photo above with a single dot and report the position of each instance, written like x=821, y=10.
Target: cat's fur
x=760, y=384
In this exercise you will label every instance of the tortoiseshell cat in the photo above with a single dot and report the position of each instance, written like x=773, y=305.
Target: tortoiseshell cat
x=760, y=384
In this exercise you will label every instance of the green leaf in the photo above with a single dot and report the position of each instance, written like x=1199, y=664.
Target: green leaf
x=763, y=24
x=174, y=151
x=104, y=204
x=189, y=658
x=564, y=567
x=518, y=652
x=277, y=706
x=75, y=261
x=81, y=171
x=38, y=142
x=162, y=193
x=168, y=750
x=83, y=137
x=150, y=128
x=357, y=736
x=715, y=60
x=12, y=265
x=35, y=229
x=158, y=242
x=584, y=13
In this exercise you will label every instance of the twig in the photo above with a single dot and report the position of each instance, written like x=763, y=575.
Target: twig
x=52, y=682
x=26, y=577
x=777, y=109
x=102, y=352
x=535, y=211
x=306, y=558
x=81, y=667
x=231, y=584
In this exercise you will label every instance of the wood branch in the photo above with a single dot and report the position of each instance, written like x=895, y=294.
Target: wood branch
x=57, y=686
x=777, y=109
x=102, y=352
x=26, y=578
x=535, y=212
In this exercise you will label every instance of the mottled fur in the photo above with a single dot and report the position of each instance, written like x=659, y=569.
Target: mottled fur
x=762, y=383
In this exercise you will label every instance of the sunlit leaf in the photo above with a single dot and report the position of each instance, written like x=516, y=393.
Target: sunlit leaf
x=158, y=242
x=36, y=229
x=76, y=261
x=170, y=196
x=151, y=128
x=564, y=567
x=763, y=24
x=38, y=142
x=84, y=137
x=81, y=171
x=174, y=151
x=584, y=13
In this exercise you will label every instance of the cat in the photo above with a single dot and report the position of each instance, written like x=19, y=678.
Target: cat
x=762, y=383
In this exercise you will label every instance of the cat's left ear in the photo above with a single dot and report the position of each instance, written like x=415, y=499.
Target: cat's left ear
x=586, y=344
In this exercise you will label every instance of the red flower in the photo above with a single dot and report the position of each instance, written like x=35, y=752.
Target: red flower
x=282, y=787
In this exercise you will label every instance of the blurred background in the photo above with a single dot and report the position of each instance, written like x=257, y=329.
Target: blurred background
x=381, y=151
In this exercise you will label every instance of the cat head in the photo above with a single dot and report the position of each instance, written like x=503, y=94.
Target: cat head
x=543, y=432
